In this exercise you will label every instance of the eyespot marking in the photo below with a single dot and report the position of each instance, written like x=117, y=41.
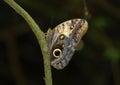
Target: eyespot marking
x=62, y=36
x=57, y=53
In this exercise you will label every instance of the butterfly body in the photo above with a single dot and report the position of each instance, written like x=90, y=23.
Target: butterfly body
x=63, y=39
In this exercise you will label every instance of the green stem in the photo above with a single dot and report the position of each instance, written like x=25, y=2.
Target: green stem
x=40, y=37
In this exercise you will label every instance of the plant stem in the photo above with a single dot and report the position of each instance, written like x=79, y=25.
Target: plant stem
x=40, y=37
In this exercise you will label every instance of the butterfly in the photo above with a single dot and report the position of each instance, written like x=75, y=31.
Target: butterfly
x=63, y=39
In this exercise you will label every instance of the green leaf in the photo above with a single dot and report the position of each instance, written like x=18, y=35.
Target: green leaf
x=112, y=54
x=101, y=22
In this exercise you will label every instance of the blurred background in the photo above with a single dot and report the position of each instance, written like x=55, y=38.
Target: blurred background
x=98, y=63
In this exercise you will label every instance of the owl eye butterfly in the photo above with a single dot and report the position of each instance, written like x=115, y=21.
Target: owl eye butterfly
x=63, y=39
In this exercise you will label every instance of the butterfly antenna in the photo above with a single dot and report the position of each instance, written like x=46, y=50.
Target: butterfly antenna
x=51, y=22
x=86, y=12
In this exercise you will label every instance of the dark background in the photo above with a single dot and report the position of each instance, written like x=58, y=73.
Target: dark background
x=98, y=63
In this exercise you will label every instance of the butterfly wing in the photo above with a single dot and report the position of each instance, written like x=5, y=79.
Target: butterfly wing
x=63, y=39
